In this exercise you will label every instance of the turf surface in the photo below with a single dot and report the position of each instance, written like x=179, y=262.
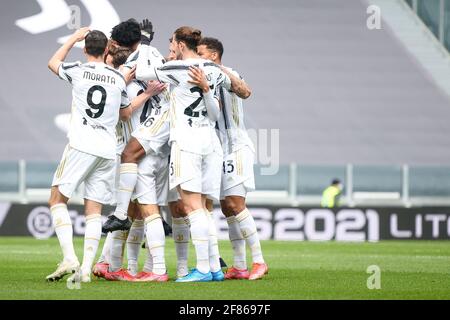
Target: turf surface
x=298, y=270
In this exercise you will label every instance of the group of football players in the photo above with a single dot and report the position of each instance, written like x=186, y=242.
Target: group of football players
x=148, y=131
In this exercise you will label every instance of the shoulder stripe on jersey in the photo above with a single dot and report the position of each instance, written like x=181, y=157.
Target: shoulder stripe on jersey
x=166, y=68
x=69, y=78
x=141, y=83
x=116, y=72
x=224, y=113
x=173, y=78
x=68, y=66
x=212, y=64
x=181, y=67
x=136, y=56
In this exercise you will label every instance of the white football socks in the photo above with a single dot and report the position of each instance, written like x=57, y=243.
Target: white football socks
x=237, y=243
x=148, y=264
x=63, y=228
x=92, y=236
x=199, y=233
x=214, y=255
x=127, y=182
x=250, y=234
x=134, y=241
x=105, y=255
x=180, y=233
x=117, y=247
x=156, y=240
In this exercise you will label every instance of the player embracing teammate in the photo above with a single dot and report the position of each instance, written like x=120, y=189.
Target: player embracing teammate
x=199, y=169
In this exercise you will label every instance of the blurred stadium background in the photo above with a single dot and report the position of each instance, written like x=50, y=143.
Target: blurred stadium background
x=334, y=99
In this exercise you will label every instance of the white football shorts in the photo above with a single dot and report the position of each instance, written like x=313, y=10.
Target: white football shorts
x=153, y=180
x=153, y=135
x=98, y=175
x=237, y=173
x=195, y=172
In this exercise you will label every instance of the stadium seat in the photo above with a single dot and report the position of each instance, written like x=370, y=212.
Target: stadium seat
x=426, y=181
x=9, y=177
x=39, y=175
x=313, y=179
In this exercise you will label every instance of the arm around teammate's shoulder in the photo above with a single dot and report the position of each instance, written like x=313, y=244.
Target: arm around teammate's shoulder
x=237, y=85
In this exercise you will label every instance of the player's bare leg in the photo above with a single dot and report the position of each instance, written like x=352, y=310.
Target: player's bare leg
x=214, y=255
x=156, y=242
x=63, y=228
x=180, y=233
x=131, y=155
x=193, y=206
x=235, y=206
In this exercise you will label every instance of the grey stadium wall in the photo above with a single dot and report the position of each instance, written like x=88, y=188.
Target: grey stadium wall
x=337, y=91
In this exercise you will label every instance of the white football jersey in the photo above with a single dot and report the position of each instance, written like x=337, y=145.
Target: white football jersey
x=134, y=88
x=190, y=125
x=232, y=132
x=148, y=113
x=155, y=57
x=98, y=91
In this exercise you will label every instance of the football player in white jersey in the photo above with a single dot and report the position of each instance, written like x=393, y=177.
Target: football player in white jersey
x=196, y=154
x=99, y=98
x=143, y=106
x=237, y=169
x=144, y=168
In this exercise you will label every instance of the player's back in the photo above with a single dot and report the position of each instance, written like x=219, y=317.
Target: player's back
x=190, y=124
x=233, y=133
x=98, y=94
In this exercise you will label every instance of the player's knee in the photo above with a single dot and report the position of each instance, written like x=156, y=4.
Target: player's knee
x=232, y=206
x=128, y=156
x=55, y=198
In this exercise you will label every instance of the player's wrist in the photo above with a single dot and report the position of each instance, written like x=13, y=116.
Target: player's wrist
x=145, y=38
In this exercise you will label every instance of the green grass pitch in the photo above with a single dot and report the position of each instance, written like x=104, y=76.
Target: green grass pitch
x=297, y=270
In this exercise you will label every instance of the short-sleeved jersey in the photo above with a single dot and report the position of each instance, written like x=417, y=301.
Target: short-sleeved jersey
x=148, y=112
x=232, y=131
x=98, y=93
x=155, y=57
x=151, y=112
x=190, y=125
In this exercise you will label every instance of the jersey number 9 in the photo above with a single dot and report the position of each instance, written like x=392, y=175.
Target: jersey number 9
x=97, y=107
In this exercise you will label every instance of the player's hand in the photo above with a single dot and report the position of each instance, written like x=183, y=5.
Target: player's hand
x=198, y=78
x=155, y=87
x=129, y=74
x=146, y=31
x=80, y=34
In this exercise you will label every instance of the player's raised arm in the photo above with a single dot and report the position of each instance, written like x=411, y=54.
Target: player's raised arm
x=211, y=103
x=62, y=52
x=145, y=71
x=237, y=85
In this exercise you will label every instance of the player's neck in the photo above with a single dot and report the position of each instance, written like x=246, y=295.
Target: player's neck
x=190, y=55
x=95, y=59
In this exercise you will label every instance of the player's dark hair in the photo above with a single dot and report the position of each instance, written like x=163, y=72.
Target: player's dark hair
x=212, y=44
x=190, y=36
x=127, y=33
x=119, y=54
x=95, y=43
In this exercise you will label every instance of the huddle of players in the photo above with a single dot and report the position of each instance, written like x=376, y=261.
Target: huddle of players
x=177, y=145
